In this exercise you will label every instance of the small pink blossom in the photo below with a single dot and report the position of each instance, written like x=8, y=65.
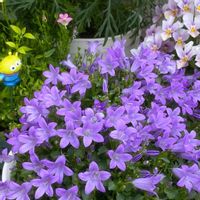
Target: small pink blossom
x=64, y=19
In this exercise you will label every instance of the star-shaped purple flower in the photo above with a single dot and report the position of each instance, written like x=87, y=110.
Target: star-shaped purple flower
x=28, y=141
x=108, y=65
x=68, y=136
x=70, y=194
x=94, y=178
x=34, y=110
x=19, y=191
x=92, y=117
x=68, y=63
x=90, y=133
x=4, y=190
x=70, y=111
x=93, y=47
x=5, y=157
x=13, y=139
x=45, y=130
x=118, y=158
x=52, y=97
x=113, y=116
x=58, y=168
x=52, y=75
x=35, y=165
x=189, y=177
x=44, y=184
x=149, y=183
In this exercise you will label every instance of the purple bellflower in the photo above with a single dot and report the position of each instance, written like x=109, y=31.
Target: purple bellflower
x=118, y=158
x=44, y=184
x=94, y=178
x=68, y=136
x=45, y=131
x=52, y=75
x=19, y=192
x=58, y=168
x=189, y=177
x=149, y=183
x=5, y=157
x=90, y=133
x=35, y=165
x=70, y=194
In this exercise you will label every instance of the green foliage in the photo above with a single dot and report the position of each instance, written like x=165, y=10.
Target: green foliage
x=111, y=17
x=11, y=98
x=19, y=37
x=40, y=42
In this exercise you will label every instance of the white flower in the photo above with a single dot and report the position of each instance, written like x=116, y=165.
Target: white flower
x=192, y=23
x=185, y=53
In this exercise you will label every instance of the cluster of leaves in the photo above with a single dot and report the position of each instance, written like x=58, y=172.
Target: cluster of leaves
x=48, y=39
x=20, y=35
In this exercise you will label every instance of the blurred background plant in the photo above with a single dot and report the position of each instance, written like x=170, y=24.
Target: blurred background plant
x=97, y=18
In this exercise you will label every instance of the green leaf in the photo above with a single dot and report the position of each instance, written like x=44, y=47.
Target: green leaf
x=165, y=160
x=111, y=186
x=102, y=150
x=29, y=36
x=16, y=29
x=120, y=196
x=171, y=193
x=25, y=48
x=138, y=197
x=11, y=44
x=23, y=30
x=21, y=50
x=49, y=53
x=39, y=56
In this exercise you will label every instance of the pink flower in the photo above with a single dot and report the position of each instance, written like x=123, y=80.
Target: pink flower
x=64, y=19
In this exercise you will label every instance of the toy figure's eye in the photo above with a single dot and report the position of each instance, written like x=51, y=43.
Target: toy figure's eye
x=12, y=68
x=18, y=63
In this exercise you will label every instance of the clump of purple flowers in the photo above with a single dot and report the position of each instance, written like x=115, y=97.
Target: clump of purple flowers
x=95, y=135
x=107, y=127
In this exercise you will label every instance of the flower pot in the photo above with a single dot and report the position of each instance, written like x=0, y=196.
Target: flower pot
x=7, y=169
x=82, y=44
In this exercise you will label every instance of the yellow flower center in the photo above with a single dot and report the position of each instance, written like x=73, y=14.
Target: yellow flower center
x=193, y=29
x=179, y=41
x=186, y=8
x=168, y=32
x=185, y=59
x=198, y=8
